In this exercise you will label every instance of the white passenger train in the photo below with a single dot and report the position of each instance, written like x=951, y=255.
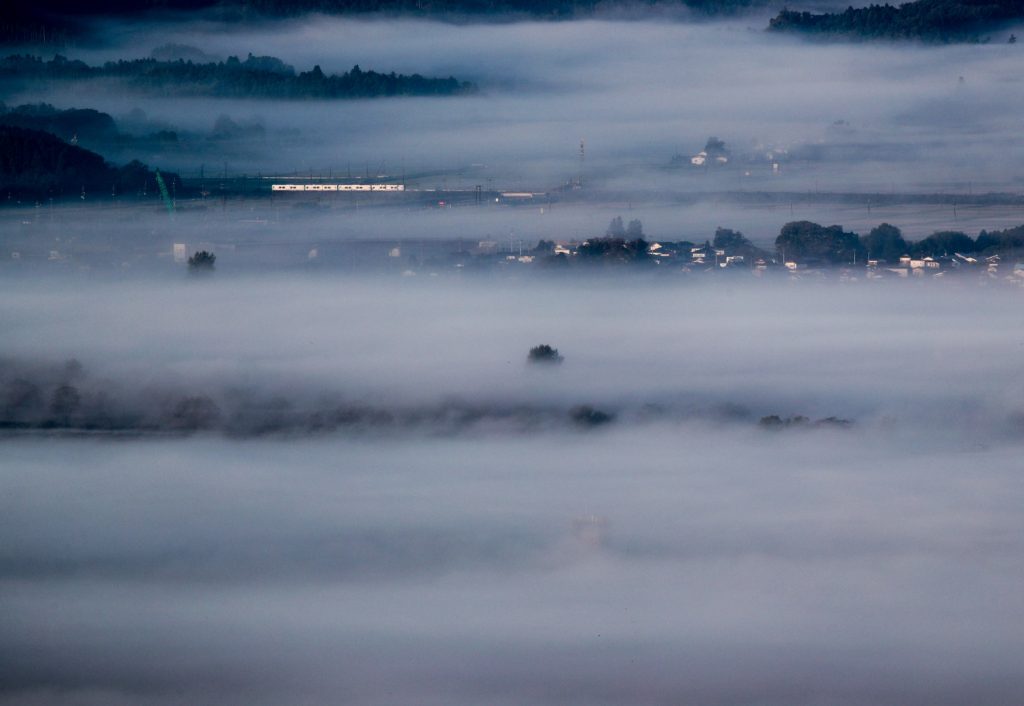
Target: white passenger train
x=337, y=187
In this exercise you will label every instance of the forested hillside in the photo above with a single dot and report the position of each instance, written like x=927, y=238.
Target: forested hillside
x=37, y=165
x=927, y=20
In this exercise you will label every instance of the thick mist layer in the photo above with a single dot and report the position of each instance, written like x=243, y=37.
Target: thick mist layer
x=639, y=566
x=931, y=352
x=636, y=560
x=867, y=118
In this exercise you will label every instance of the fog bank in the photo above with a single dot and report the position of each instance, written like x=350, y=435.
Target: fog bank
x=762, y=347
x=834, y=570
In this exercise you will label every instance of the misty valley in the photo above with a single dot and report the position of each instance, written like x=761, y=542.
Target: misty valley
x=462, y=353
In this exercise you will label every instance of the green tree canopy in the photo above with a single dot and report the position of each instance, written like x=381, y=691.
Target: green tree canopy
x=1001, y=240
x=807, y=242
x=885, y=242
x=944, y=242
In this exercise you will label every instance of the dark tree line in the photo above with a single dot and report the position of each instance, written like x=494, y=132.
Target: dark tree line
x=811, y=243
x=1000, y=240
x=256, y=77
x=804, y=241
x=927, y=20
x=45, y=396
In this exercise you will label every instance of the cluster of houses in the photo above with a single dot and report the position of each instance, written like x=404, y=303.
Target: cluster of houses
x=685, y=257
x=990, y=267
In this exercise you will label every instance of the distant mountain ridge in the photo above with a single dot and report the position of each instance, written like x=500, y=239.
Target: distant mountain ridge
x=925, y=20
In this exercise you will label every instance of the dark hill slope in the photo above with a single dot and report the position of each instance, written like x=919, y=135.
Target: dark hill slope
x=37, y=165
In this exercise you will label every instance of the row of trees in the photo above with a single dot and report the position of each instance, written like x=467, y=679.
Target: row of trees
x=804, y=241
x=262, y=77
x=799, y=241
x=928, y=20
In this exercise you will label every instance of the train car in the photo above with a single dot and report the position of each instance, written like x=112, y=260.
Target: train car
x=338, y=187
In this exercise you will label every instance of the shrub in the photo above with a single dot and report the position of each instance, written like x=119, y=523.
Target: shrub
x=544, y=354
x=587, y=416
x=202, y=261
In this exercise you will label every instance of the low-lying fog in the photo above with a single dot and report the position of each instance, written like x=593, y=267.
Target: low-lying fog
x=685, y=556
x=920, y=352
x=311, y=487
x=868, y=117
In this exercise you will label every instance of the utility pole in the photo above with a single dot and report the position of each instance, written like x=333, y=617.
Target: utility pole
x=583, y=159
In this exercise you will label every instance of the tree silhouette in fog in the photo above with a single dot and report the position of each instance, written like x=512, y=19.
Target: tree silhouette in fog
x=202, y=261
x=545, y=355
